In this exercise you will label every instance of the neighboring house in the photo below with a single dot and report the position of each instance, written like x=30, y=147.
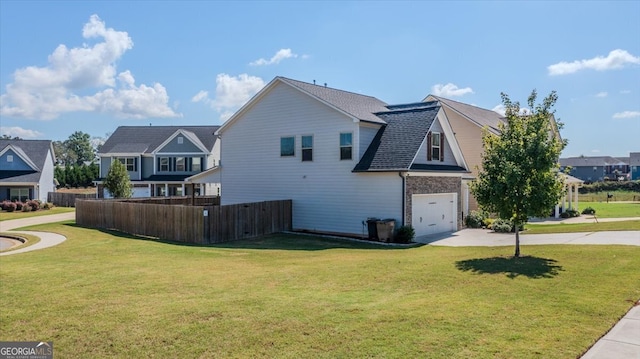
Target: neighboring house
x=26, y=169
x=595, y=168
x=160, y=159
x=634, y=165
x=343, y=158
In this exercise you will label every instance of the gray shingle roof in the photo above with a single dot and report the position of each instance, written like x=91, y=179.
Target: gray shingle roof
x=397, y=143
x=145, y=139
x=591, y=161
x=359, y=106
x=482, y=117
x=634, y=159
x=36, y=150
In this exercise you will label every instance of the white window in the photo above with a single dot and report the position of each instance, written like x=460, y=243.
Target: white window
x=19, y=194
x=180, y=140
x=9, y=158
x=180, y=164
x=164, y=164
x=196, y=164
x=435, y=146
x=129, y=163
x=307, y=148
x=287, y=146
x=346, y=146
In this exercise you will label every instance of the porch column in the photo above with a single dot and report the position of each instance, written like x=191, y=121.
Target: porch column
x=576, y=197
x=570, y=206
x=202, y=189
x=150, y=190
x=183, y=192
x=166, y=190
x=557, y=211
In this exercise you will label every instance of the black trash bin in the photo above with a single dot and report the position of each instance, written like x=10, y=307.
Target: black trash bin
x=372, y=226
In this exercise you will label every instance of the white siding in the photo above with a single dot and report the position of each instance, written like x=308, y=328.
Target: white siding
x=449, y=159
x=46, y=178
x=367, y=133
x=326, y=195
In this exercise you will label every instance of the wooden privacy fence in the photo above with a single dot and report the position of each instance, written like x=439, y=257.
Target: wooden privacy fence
x=183, y=200
x=188, y=224
x=66, y=199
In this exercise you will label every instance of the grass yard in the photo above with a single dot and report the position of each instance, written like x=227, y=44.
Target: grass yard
x=5, y=216
x=107, y=295
x=617, y=196
x=613, y=209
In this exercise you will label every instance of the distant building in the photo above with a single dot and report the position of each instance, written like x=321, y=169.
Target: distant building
x=634, y=164
x=26, y=169
x=596, y=168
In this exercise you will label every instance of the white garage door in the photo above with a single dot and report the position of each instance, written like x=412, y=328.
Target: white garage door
x=434, y=213
x=138, y=192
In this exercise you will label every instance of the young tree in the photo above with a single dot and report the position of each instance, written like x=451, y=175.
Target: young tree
x=117, y=181
x=519, y=177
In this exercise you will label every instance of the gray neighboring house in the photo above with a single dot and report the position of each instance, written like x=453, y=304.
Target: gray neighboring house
x=595, y=168
x=26, y=169
x=634, y=166
x=161, y=159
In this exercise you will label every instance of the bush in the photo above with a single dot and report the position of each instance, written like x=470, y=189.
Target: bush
x=10, y=206
x=475, y=219
x=488, y=222
x=34, y=204
x=502, y=225
x=405, y=234
x=19, y=205
x=588, y=210
x=26, y=207
x=47, y=205
x=3, y=205
x=570, y=213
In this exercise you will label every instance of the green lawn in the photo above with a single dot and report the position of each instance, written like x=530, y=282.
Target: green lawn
x=105, y=295
x=5, y=216
x=617, y=196
x=613, y=209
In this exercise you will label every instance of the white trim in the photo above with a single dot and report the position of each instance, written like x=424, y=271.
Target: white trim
x=188, y=134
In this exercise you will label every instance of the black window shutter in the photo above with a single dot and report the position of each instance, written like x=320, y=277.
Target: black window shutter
x=442, y=147
x=429, y=146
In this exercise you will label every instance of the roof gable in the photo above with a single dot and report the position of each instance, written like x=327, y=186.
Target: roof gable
x=353, y=105
x=194, y=145
x=477, y=115
x=20, y=162
x=591, y=161
x=146, y=139
x=34, y=152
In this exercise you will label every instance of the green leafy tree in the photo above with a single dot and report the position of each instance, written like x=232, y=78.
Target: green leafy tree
x=519, y=177
x=117, y=181
x=79, y=143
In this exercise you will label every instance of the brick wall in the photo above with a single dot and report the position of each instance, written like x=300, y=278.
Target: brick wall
x=428, y=185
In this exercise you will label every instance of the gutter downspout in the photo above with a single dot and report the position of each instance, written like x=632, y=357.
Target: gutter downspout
x=404, y=196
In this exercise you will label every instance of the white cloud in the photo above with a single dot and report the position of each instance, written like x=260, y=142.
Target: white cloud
x=20, y=132
x=503, y=110
x=231, y=93
x=275, y=59
x=47, y=92
x=616, y=59
x=626, y=114
x=602, y=94
x=200, y=96
x=449, y=90
x=595, y=151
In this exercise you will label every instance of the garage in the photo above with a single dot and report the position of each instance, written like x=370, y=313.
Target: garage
x=434, y=213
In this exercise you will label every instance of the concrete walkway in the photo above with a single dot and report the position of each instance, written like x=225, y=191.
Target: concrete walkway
x=46, y=239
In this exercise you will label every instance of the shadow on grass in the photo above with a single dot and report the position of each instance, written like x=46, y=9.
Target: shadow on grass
x=278, y=241
x=512, y=267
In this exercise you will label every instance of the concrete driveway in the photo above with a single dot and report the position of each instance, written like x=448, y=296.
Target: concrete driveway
x=46, y=239
x=486, y=238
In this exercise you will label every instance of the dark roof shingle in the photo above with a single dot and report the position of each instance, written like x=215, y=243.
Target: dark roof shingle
x=36, y=150
x=145, y=139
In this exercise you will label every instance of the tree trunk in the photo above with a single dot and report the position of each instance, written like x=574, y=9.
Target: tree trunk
x=517, y=254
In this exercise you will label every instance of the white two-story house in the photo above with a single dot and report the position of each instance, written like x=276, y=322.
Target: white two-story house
x=160, y=159
x=343, y=158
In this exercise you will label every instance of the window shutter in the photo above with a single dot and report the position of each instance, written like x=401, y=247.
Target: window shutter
x=135, y=164
x=441, y=147
x=429, y=146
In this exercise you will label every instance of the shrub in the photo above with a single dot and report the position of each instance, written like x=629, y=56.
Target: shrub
x=34, y=204
x=26, y=207
x=474, y=219
x=502, y=225
x=588, y=210
x=3, y=205
x=10, y=206
x=570, y=213
x=488, y=222
x=405, y=234
x=47, y=205
x=19, y=205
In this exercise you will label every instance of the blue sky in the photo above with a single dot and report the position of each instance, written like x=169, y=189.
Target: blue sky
x=92, y=66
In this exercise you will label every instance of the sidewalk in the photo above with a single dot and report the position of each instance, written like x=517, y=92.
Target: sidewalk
x=582, y=219
x=46, y=239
